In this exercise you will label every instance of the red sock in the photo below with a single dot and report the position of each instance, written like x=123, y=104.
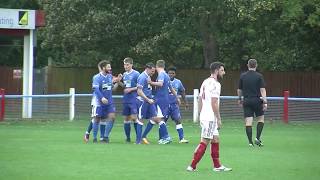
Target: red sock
x=215, y=154
x=199, y=152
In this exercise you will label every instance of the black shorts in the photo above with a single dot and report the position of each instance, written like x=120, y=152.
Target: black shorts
x=253, y=106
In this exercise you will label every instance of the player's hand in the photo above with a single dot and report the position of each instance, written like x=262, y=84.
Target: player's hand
x=119, y=77
x=127, y=90
x=104, y=100
x=186, y=106
x=150, y=101
x=179, y=101
x=264, y=107
x=219, y=123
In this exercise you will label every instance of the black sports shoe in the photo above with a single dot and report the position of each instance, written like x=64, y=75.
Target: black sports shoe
x=258, y=142
x=104, y=140
x=86, y=138
x=95, y=140
x=128, y=140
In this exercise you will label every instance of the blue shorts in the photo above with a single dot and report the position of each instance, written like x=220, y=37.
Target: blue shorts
x=164, y=109
x=102, y=111
x=130, y=109
x=147, y=111
x=174, y=112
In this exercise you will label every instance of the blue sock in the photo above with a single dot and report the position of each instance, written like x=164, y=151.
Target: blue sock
x=127, y=128
x=147, y=129
x=90, y=126
x=163, y=130
x=139, y=132
x=102, y=129
x=109, y=127
x=180, y=131
x=135, y=125
x=95, y=127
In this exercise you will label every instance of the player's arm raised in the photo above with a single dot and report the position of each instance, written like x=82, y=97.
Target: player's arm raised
x=121, y=84
x=116, y=82
x=158, y=83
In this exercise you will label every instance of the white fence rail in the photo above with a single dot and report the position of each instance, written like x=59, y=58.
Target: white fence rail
x=72, y=106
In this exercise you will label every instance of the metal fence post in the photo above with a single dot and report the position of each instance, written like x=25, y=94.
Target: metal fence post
x=71, y=104
x=2, y=92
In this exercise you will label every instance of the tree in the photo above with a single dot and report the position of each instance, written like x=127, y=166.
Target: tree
x=281, y=35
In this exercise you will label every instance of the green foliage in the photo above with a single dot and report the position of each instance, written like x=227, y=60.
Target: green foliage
x=281, y=35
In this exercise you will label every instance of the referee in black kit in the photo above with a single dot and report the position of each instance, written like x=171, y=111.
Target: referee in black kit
x=252, y=96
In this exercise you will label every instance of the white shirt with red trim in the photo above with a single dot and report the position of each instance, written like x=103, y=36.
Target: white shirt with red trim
x=210, y=88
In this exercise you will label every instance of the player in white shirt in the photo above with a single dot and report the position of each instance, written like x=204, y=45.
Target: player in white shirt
x=210, y=119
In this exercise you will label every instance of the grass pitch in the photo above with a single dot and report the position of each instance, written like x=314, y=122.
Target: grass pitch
x=55, y=150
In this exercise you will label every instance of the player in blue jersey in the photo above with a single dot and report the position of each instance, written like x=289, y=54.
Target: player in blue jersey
x=147, y=106
x=162, y=85
x=174, y=103
x=89, y=128
x=129, y=101
x=103, y=110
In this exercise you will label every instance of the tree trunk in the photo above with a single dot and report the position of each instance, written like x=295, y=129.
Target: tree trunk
x=209, y=44
x=209, y=50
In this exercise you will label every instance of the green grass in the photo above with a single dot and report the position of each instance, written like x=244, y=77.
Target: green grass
x=55, y=150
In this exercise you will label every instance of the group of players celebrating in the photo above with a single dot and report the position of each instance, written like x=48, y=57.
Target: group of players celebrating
x=143, y=100
x=158, y=100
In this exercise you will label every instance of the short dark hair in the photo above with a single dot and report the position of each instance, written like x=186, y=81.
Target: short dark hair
x=128, y=60
x=149, y=65
x=252, y=63
x=172, y=68
x=215, y=66
x=103, y=63
x=161, y=63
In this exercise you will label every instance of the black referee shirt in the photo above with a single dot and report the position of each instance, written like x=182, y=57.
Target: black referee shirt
x=250, y=83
